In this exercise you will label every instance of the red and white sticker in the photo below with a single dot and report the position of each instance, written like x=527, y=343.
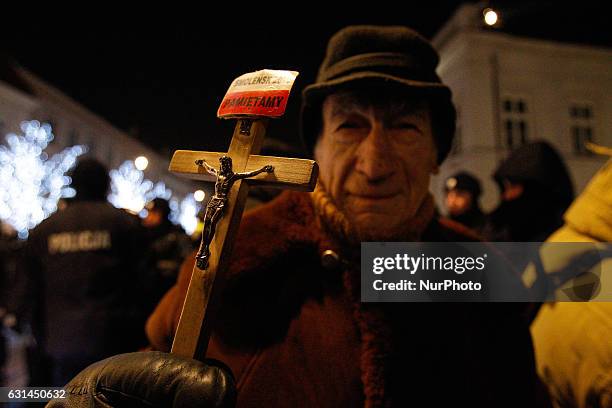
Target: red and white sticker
x=260, y=93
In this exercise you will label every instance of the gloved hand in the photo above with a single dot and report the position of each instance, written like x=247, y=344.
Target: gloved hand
x=150, y=379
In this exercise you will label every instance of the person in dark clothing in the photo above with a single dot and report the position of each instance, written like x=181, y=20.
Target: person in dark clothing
x=462, y=195
x=10, y=250
x=6, y=249
x=14, y=331
x=80, y=265
x=536, y=189
x=167, y=246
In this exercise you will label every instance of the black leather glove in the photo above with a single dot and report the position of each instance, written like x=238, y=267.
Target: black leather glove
x=150, y=379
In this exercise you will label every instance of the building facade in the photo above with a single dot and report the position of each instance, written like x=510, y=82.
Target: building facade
x=24, y=96
x=509, y=90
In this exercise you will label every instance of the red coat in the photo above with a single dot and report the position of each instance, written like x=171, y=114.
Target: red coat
x=295, y=334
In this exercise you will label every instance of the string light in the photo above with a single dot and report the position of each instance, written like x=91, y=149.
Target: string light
x=31, y=183
x=490, y=16
x=199, y=195
x=141, y=163
x=185, y=213
x=131, y=191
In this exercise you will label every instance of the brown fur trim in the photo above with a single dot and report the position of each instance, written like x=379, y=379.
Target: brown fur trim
x=273, y=229
x=375, y=345
x=270, y=238
x=291, y=221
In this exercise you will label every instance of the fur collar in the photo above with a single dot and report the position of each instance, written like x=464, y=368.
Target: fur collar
x=277, y=266
x=289, y=223
x=276, y=229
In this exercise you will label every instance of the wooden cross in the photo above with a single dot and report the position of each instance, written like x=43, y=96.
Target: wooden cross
x=205, y=286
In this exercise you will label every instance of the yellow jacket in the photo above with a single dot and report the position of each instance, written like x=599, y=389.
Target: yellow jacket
x=573, y=341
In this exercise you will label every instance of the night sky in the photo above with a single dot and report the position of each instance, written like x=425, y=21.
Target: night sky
x=163, y=79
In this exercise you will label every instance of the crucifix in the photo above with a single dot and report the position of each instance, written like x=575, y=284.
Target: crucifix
x=252, y=98
x=225, y=178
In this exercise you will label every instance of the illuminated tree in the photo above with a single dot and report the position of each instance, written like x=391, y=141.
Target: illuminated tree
x=130, y=190
x=31, y=183
x=185, y=213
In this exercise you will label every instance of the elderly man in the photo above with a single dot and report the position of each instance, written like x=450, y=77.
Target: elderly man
x=292, y=328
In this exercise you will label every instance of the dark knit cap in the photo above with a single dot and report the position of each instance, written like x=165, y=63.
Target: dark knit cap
x=464, y=181
x=90, y=179
x=537, y=163
x=384, y=59
x=159, y=204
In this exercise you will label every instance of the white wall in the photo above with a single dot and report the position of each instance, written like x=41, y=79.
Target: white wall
x=548, y=75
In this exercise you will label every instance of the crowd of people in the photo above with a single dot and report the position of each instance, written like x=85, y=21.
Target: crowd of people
x=535, y=190
x=291, y=330
x=82, y=285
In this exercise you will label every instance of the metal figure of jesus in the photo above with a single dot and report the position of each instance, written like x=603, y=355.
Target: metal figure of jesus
x=214, y=210
x=232, y=182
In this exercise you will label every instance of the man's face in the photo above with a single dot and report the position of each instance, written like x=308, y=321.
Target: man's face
x=458, y=201
x=376, y=162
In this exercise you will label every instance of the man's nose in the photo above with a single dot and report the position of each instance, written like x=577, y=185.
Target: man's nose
x=375, y=157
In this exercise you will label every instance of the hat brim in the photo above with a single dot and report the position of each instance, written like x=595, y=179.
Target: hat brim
x=316, y=91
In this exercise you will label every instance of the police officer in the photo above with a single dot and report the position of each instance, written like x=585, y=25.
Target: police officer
x=462, y=195
x=80, y=266
x=167, y=247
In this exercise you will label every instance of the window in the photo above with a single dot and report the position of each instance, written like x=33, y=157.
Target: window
x=581, y=127
x=515, y=122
